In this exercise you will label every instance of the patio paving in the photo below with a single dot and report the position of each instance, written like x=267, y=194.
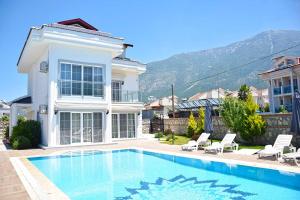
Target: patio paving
x=11, y=186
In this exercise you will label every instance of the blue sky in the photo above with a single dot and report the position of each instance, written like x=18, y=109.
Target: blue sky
x=157, y=28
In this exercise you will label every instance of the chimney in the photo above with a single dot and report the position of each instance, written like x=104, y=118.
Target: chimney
x=123, y=55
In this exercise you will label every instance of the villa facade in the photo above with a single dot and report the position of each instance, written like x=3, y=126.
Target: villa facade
x=284, y=80
x=81, y=86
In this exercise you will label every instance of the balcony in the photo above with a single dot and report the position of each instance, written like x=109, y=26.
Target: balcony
x=126, y=96
x=277, y=91
x=287, y=89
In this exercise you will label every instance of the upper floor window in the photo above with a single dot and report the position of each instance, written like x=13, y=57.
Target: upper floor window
x=81, y=80
x=290, y=62
x=281, y=64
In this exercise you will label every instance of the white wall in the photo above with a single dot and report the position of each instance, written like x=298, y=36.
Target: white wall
x=76, y=54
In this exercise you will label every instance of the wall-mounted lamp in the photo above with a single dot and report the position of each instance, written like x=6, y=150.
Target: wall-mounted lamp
x=122, y=82
x=139, y=113
x=107, y=112
x=55, y=111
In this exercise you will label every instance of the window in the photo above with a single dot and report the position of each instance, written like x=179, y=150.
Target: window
x=281, y=64
x=290, y=62
x=79, y=80
x=76, y=80
x=65, y=76
x=98, y=82
x=88, y=81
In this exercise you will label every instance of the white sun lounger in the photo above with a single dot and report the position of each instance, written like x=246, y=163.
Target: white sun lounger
x=227, y=142
x=277, y=149
x=292, y=157
x=194, y=145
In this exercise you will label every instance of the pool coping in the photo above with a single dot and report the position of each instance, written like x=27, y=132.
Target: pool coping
x=38, y=186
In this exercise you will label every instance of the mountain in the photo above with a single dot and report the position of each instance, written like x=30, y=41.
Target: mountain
x=183, y=69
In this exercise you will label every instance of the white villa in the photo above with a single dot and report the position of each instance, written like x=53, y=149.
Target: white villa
x=81, y=86
x=283, y=79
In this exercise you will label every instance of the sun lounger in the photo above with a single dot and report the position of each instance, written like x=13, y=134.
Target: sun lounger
x=194, y=145
x=292, y=157
x=227, y=142
x=277, y=149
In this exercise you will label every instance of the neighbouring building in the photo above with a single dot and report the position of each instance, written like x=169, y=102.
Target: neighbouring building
x=260, y=96
x=283, y=79
x=160, y=107
x=81, y=86
x=4, y=108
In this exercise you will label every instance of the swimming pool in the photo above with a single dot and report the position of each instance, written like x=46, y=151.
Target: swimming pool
x=136, y=174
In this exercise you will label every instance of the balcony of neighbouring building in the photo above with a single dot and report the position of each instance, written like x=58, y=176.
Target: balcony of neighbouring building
x=287, y=89
x=277, y=90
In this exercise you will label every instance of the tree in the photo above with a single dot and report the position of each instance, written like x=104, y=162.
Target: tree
x=244, y=92
x=192, y=125
x=233, y=113
x=240, y=116
x=200, y=122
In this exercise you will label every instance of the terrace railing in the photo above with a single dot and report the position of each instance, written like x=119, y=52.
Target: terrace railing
x=126, y=96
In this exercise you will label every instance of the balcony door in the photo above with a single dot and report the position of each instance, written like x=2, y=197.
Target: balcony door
x=116, y=87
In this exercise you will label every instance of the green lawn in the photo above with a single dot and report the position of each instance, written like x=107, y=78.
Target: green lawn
x=180, y=140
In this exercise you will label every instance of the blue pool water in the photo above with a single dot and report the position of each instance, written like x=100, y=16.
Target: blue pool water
x=135, y=174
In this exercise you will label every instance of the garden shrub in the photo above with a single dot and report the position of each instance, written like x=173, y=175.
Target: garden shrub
x=282, y=109
x=30, y=129
x=6, y=132
x=168, y=132
x=170, y=137
x=267, y=107
x=192, y=126
x=159, y=135
x=21, y=142
x=200, y=121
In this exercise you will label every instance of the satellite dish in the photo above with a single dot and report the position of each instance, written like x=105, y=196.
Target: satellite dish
x=44, y=67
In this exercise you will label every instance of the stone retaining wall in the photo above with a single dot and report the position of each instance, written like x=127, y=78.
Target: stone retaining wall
x=276, y=124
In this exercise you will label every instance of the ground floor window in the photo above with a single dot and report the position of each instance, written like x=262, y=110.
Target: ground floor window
x=123, y=125
x=76, y=127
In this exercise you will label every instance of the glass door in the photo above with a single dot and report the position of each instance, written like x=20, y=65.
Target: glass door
x=116, y=91
x=131, y=125
x=87, y=127
x=123, y=125
x=65, y=128
x=76, y=128
x=97, y=127
x=115, y=126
